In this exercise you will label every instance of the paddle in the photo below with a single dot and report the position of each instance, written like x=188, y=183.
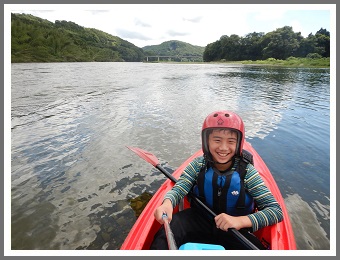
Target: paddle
x=169, y=235
x=152, y=159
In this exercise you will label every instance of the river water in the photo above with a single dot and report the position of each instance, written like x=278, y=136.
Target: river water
x=72, y=176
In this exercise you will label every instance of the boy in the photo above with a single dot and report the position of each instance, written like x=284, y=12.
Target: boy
x=227, y=183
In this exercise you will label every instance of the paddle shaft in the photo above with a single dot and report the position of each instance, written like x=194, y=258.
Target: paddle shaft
x=169, y=235
x=236, y=233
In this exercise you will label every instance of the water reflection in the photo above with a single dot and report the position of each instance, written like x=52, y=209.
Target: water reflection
x=34, y=226
x=308, y=235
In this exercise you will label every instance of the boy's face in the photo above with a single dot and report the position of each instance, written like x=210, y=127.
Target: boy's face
x=222, y=146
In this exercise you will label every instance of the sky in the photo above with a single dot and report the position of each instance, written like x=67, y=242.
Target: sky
x=197, y=24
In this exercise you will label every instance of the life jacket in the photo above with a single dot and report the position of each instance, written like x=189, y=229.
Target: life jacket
x=225, y=193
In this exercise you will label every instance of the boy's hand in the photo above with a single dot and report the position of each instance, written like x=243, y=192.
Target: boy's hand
x=166, y=208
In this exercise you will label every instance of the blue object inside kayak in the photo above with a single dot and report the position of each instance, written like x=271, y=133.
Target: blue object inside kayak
x=199, y=246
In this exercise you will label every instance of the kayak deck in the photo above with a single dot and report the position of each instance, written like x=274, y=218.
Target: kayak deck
x=278, y=237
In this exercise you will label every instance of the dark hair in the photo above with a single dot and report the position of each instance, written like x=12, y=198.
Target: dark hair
x=210, y=130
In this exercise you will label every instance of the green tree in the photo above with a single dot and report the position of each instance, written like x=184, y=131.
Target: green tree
x=307, y=45
x=252, y=46
x=283, y=43
x=323, y=42
x=230, y=47
x=212, y=51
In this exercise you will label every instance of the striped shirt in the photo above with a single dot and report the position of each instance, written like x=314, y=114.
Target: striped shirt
x=269, y=211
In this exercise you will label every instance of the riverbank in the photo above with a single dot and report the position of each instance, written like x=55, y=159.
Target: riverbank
x=293, y=62
x=290, y=62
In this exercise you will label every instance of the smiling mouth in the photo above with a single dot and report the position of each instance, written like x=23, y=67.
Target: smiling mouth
x=223, y=154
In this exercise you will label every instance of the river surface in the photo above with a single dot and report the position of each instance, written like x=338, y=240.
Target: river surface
x=72, y=177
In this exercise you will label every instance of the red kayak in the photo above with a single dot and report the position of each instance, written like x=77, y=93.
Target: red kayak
x=278, y=237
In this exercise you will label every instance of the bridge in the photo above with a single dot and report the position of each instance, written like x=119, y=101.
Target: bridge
x=176, y=57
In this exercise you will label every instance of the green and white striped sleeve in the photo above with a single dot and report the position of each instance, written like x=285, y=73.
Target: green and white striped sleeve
x=185, y=182
x=269, y=210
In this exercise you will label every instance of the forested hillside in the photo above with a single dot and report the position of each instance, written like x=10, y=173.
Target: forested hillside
x=279, y=44
x=38, y=40
x=176, y=48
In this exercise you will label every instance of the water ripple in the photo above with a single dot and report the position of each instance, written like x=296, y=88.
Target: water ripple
x=72, y=176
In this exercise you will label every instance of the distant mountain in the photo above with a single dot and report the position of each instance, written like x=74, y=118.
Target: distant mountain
x=39, y=40
x=175, y=49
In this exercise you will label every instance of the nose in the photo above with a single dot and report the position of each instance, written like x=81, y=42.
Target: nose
x=224, y=146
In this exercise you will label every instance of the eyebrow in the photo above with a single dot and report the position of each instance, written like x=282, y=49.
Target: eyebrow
x=229, y=138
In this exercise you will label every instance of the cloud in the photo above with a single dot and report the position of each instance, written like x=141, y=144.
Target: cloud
x=174, y=33
x=270, y=15
x=141, y=23
x=193, y=20
x=297, y=27
x=97, y=12
x=122, y=33
x=39, y=13
x=32, y=11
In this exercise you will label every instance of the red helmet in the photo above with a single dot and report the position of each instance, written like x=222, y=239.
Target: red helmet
x=223, y=119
